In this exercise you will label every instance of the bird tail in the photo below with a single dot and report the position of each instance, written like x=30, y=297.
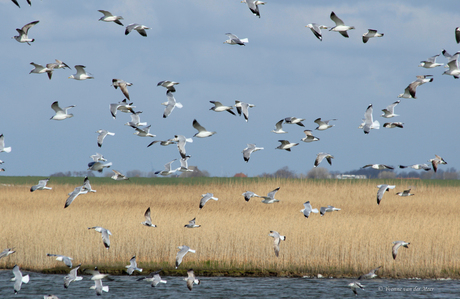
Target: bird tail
x=376, y=125
x=25, y=279
x=314, y=211
x=244, y=40
x=7, y=149
x=179, y=105
x=193, y=251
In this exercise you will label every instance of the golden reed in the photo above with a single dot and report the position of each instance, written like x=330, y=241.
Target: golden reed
x=234, y=233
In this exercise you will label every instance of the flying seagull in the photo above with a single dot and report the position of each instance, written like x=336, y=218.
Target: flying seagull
x=307, y=210
x=340, y=27
x=369, y=122
x=132, y=266
x=405, y=193
x=354, y=286
x=72, y=276
x=81, y=73
x=72, y=195
x=87, y=186
x=60, y=114
x=170, y=104
x=62, y=258
x=409, y=92
x=370, y=275
x=430, y=62
x=23, y=33
x=234, y=40
x=270, y=198
x=19, y=279
x=316, y=29
x=389, y=111
x=98, y=166
x=138, y=27
x=382, y=189
x=162, y=142
x=309, y=137
x=202, y=132
x=218, y=107
x=123, y=86
x=279, y=128
x=148, y=219
x=294, y=121
x=323, y=124
x=99, y=287
x=41, y=185
x=249, y=150
x=101, y=136
x=40, y=69
x=135, y=120
x=6, y=252
x=2, y=145
x=143, y=132
x=57, y=65
x=393, y=125
x=108, y=17
x=253, y=6
x=183, y=250
x=324, y=210
x=434, y=162
x=191, y=279
x=396, y=246
x=378, y=166
x=184, y=165
x=168, y=85
x=286, y=145
x=277, y=239
x=181, y=142
x=248, y=194
x=321, y=156
x=118, y=176
x=205, y=198
x=417, y=167
x=105, y=235
x=243, y=108
x=371, y=33
x=168, y=170
x=191, y=224
x=122, y=106
x=154, y=277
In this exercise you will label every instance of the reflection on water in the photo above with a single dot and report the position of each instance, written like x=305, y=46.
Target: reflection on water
x=229, y=287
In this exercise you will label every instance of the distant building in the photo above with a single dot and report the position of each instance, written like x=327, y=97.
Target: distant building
x=240, y=175
x=350, y=176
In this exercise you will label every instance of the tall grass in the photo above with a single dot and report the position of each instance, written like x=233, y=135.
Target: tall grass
x=234, y=234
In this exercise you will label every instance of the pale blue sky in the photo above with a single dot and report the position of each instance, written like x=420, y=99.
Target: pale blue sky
x=283, y=70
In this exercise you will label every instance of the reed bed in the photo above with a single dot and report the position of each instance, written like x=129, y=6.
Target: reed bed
x=233, y=239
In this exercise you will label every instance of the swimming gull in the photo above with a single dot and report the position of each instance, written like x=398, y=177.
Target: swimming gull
x=321, y=156
x=72, y=276
x=183, y=250
x=170, y=104
x=138, y=27
x=393, y=125
x=168, y=170
x=191, y=279
x=389, y=111
x=249, y=150
x=202, y=132
x=6, y=252
x=101, y=136
x=248, y=194
x=135, y=120
x=378, y=166
x=123, y=86
x=168, y=85
x=218, y=107
x=154, y=277
x=243, y=108
x=370, y=275
x=62, y=258
x=132, y=266
x=23, y=33
x=309, y=137
x=118, y=176
x=105, y=235
x=316, y=29
x=277, y=239
x=369, y=122
x=417, y=167
x=405, y=193
x=279, y=128
x=270, y=198
x=286, y=145
x=308, y=209
x=2, y=145
x=61, y=114
x=148, y=219
x=371, y=33
x=323, y=124
x=234, y=40
x=98, y=166
x=19, y=279
x=184, y=165
x=436, y=161
x=108, y=17
x=430, y=62
x=205, y=197
x=191, y=224
x=354, y=286
x=143, y=132
x=40, y=69
x=382, y=189
x=122, y=106
x=396, y=246
x=409, y=92
x=294, y=120
x=340, y=27
x=41, y=185
x=81, y=73
x=329, y=208
x=253, y=6
x=181, y=142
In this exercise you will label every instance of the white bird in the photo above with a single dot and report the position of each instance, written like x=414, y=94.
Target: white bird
x=249, y=150
x=135, y=120
x=396, y=246
x=154, y=277
x=393, y=125
x=316, y=29
x=323, y=124
x=40, y=69
x=87, y=186
x=430, y=62
x=148, y=219
x=96, y=275
x=321, y=156
x=72, y=195
x=378, y=166
x=354, y=286
x=243, y=108
x=286, y=145
x=138, y=27
x=72, y=276
x=2, y=145
x=308, y=209
x=181, y=142
x=253, y=6
x=81, y=73
x=6, y=252
x=61, y=114
x=168, y=170
x=202, y=132
x=417, y=167
x=309, y=137
x=370, y=275
x=62, y=258
x=340, y=27
x=41, y=185
x=108, y=17
x=123, y=86
x=368, y=120
x=218, y=107
x=205, y=197
x=191, y=279
x=279, y=128
x=105, y=235
x=184, y=165
x=23, y=33
x=436, y=161
x=132, y=266
x=405, y=193
x=122, y=106
x=277, y=239
x=101, y=136
x=270, y=198
x=99, y=287
x=409, y=92
x=169, y=85
x=57, y=65
x=183, y=250
x=382, y=189
x=98, y=166
x=248, y=195
x=324, y=210
x=118, y=176
x=389, y=111
x=294, y=121
x=143, y=132
x=371, y=33
x=191, y=224
x=19, y=279
x=234, y=40
x=170, y=104
x=162, y=142
x=453, y=67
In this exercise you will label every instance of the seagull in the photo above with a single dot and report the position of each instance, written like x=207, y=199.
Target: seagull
x=434, y=162
x=294, y=120
x=191, y=279
x=370, y=275
x=309, y=137
x=340, y=27
x=81, y=73
x=2, y=145
x=389, y=111
x=41, y=185
x=191, y=224
x=242, y=107
x=170, y=104
x=218, y=107
x=279, y=128
x=430, y=62
x=118, y=176
x=122, y=106
x=453, y=67
x=16, y=2
x=323, y=124
x=321, y=156
x=369, y=122
x=248, y=194
x=457, y=35
x=382, y=189
x=135, y=120
x=105, y=235
x=162, y=142
x=249, y=150
x=253, y=6
x=154, y=277
x=405, y=193
x=270, y=198
x=202, y=132
x=378, y=166
x=417, y=167
x=96, y=275
x=77, y=191
x=409, y=92
x=234, y=40
x=62, y=258
x=307, y=209
x=101, y=136
x=205, y=198
x=316, y=29
x=138, y=27
x=286, y=145
x=168, y=170
x=168, y=85
x=371, y=33
x=72, y=276
x=148, y=219
x=7, y=252
x=324, y=210
x=19, y=279
x=143, y=132
x=108, y=17
x=133, y=266
x=278, y=238
x=61, y=114
x=87, y=185
x=354, y=286
x=57, y=65
x=181, y=142
x=396, y=246
x=23, y=33
x=123, y=86
x=184, y=165
x=180, y=255
x=98, y=166
x=99, y=287
x=40, y=69
x=393, y=125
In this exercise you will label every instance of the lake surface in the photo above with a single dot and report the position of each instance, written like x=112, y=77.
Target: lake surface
x=229, y=287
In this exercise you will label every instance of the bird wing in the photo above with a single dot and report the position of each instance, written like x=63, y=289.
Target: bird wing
x=336, y=19
x=26, y=27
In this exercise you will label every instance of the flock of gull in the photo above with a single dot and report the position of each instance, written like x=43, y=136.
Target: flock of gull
x=142, y=129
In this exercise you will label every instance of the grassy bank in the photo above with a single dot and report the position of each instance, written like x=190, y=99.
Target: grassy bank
x=233, y=239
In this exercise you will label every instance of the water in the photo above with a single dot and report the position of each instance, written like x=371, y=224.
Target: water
x=229, y=287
